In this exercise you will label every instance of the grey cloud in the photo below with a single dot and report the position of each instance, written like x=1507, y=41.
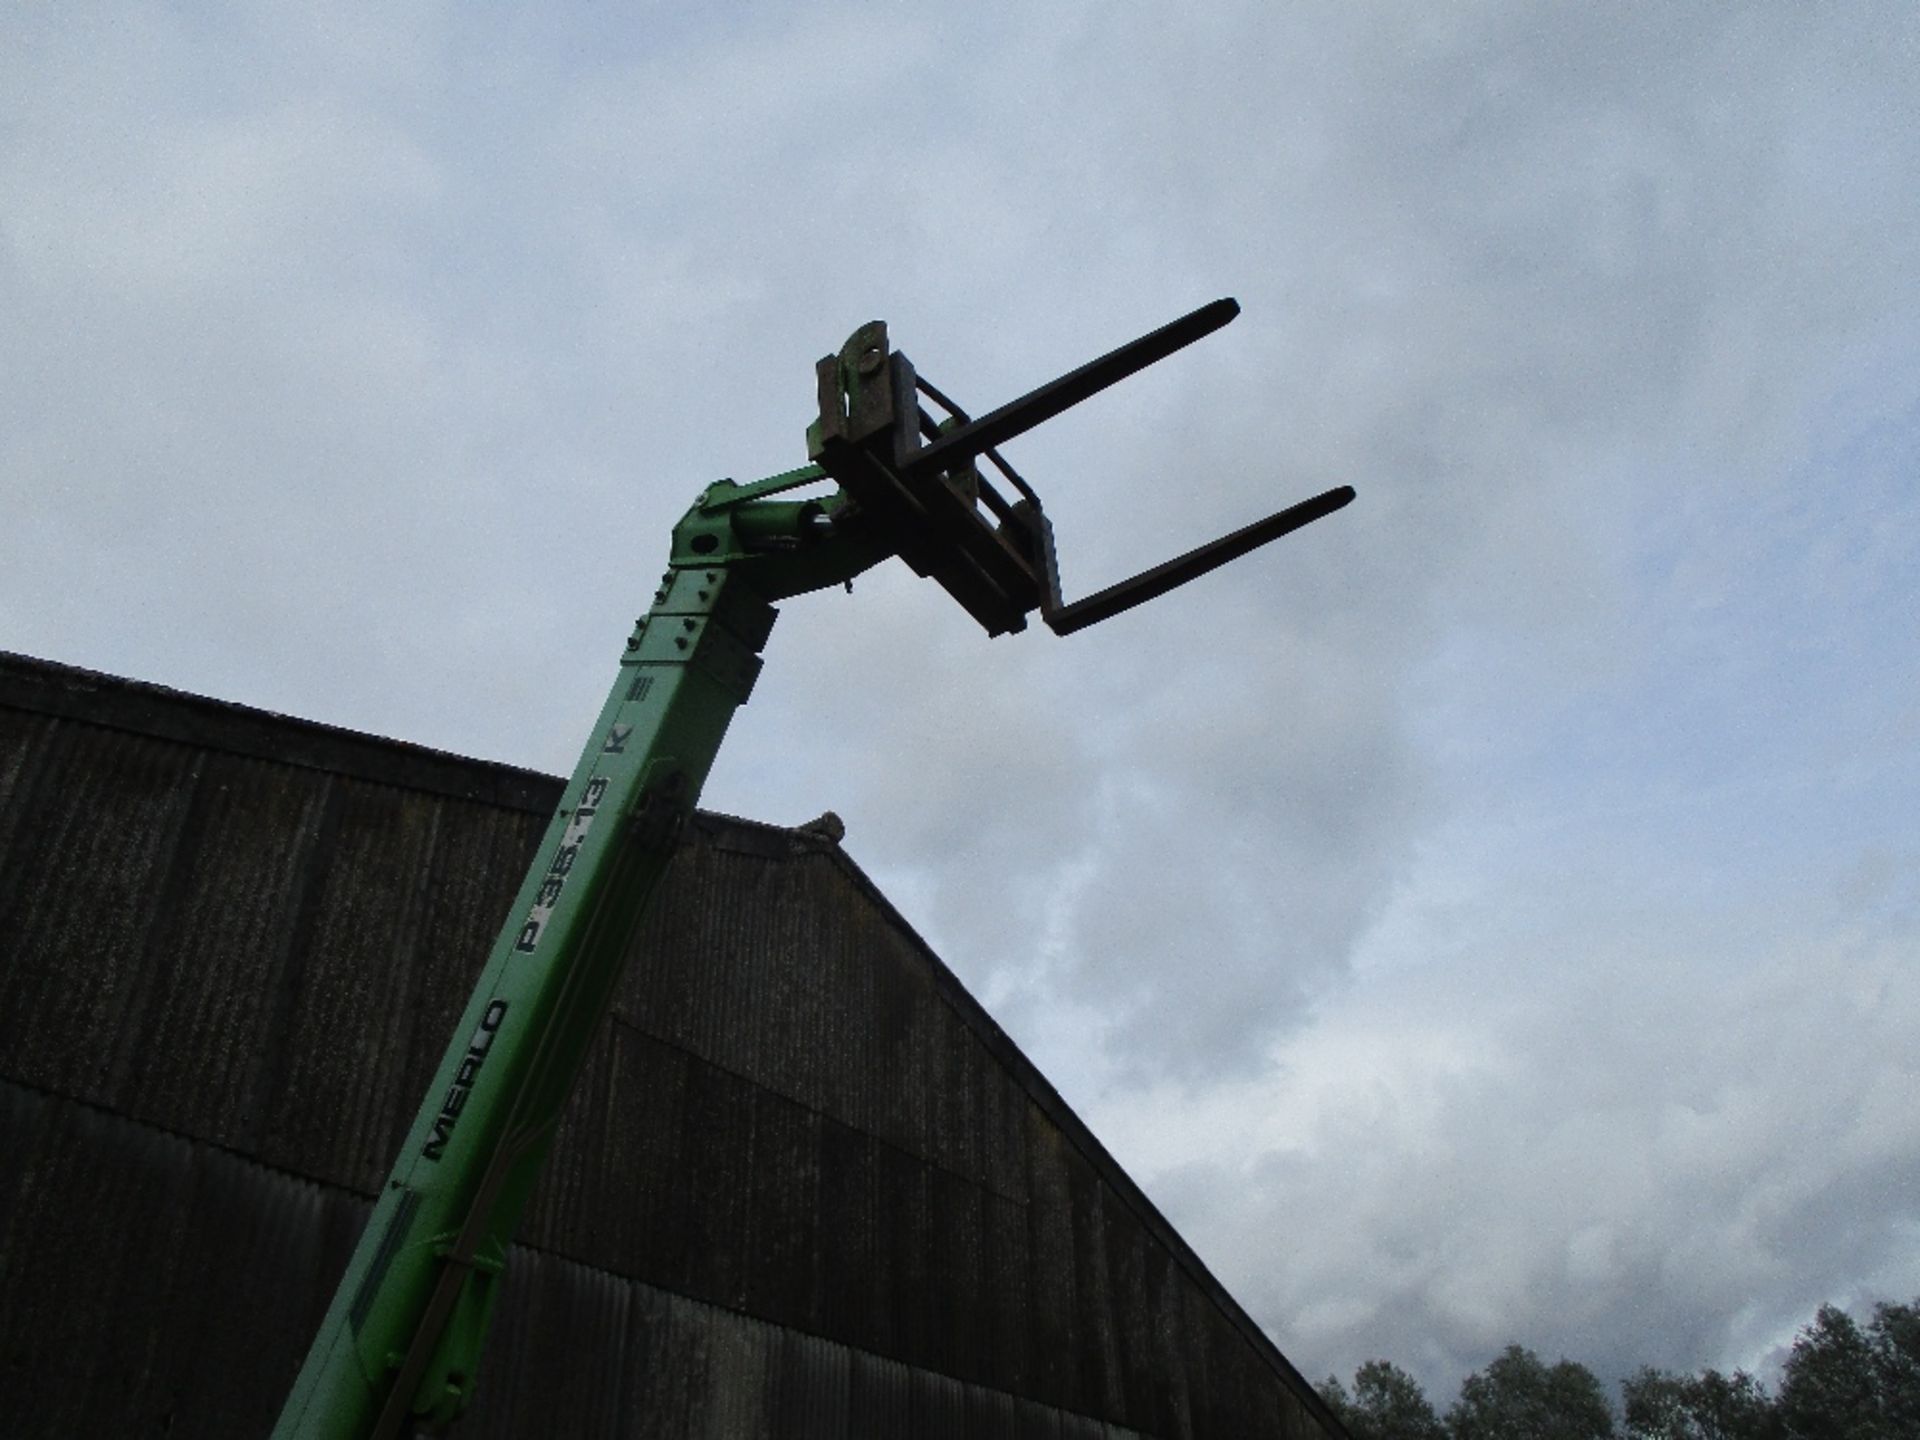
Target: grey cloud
x=361, y=374
x=1671, y=1170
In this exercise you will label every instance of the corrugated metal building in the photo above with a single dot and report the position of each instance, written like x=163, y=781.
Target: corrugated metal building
x=806, y=1187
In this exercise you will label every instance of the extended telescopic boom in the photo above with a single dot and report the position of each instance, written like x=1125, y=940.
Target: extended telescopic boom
x=398, y=1349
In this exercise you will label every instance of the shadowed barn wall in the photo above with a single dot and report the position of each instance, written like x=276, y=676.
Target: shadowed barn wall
x=806, y=1186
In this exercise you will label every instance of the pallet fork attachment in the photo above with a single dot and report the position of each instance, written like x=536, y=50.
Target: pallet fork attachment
x=915, y=479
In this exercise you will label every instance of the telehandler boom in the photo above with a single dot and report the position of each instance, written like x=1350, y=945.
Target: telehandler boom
x=397, y=1351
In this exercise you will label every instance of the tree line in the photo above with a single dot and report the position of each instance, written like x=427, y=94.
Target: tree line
x=1841, y=1381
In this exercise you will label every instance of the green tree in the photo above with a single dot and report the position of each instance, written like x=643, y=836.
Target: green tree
x=1338, y=1401
x=1845, y=1383
x=1519, y=1398
x=1896, y=1346
x=1828, y=1390
x=1386, y=1404
x=1707, y=1406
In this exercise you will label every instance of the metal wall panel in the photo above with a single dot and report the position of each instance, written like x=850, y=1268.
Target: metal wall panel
x=938, y=1406
x=812, y=1390
x=882, y=1398
x=219, y=950
x=557, y=1359
x=85, y=866
x=1034, y=1421
x=133, y=1263
x=1057, y=1320
x=349, y=990
x=191, y=1308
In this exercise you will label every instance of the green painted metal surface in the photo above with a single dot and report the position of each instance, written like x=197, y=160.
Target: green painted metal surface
x=399, y=1345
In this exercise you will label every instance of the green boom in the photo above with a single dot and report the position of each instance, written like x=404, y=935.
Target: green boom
x=399, y=1346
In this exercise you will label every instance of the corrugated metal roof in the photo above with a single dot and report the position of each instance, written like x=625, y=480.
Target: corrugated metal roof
x=806, y=1185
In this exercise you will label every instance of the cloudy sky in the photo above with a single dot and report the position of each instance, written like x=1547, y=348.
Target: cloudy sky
x=1489, y=915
